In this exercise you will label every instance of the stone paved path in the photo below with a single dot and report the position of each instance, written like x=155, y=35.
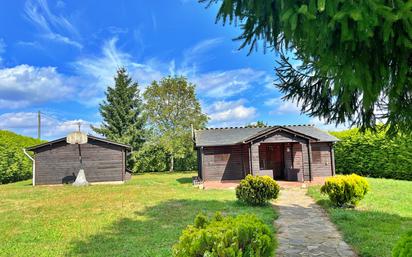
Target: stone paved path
x=305, y=230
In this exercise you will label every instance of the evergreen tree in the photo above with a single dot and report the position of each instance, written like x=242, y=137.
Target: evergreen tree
x=354, y=58
x=123, y=119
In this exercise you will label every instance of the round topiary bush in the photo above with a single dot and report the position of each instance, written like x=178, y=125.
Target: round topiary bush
x=257, y=190
x=243, y=235
x=403, y=248
x=345, y=190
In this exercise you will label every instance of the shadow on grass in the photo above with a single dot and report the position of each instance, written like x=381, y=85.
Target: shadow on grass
x=372, y=233
x=153, y=231
x=185, y=180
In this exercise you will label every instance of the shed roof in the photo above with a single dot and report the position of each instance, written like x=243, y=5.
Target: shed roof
x=238, y=135
x=35, y=147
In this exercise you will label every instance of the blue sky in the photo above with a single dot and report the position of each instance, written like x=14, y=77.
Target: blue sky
x=59, y=57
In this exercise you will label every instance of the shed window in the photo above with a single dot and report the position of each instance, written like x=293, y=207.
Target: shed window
x=316, y=154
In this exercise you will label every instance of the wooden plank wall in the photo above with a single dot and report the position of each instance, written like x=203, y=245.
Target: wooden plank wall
x=305, y=154
x=298, y=161
x=254, y=149
x=245, y=159
x=323, y=168
x=279, y=137
x=223, y=163
x=59, y=163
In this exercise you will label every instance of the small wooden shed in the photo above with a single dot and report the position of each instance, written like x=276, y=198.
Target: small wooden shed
x=293, y=153
x=57, y=162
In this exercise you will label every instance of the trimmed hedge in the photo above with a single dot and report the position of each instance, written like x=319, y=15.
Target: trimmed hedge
x=257, y=190
x=373, y=154
x=240, y=236
x=345, y=190
x=403, y=247
x=14, y=165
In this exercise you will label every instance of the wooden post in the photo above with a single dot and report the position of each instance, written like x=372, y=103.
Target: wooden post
x=38, y=125
x=255, y=158
x=310, y=160
x=332, y=159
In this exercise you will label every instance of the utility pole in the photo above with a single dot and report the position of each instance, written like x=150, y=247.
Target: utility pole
x=38, y=124
x=79, y=124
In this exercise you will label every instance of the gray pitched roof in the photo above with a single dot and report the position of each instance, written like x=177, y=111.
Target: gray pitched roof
x=32, y=148
x=236, y=135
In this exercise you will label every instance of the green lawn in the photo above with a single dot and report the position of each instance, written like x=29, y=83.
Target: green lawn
x=379, y=220
x=143, y=217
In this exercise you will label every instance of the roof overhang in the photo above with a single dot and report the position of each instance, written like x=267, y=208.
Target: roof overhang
x=63, y=139
x=267, y=132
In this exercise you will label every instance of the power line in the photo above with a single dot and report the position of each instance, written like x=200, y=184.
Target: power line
x=74, y=122
x=60, y=121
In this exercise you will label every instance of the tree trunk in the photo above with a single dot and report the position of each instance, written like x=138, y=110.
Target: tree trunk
x=172, y=162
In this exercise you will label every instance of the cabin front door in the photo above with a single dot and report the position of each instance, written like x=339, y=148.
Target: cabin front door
x=271, y=158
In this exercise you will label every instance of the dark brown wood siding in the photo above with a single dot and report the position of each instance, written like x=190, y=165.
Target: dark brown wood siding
x=321, y=160
x=293, y=162
x=245, y=159
x=59, y=163
x=224, y=162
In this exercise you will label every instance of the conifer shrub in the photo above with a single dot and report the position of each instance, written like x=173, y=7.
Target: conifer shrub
x=225, y=236
x=345, y=190
x=403, y=248
x=257, y=190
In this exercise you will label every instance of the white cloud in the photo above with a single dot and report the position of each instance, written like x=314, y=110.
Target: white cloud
x=227, y=83
x=53, y=27
x=60, y=4
x=117, y=30
x=269, y=83
x=154, y=21
x=51, y=128
x=283, y=106
x=99, y=71
x=23, y=85
x=195, y=55
x=230, y=113
x=2, y=49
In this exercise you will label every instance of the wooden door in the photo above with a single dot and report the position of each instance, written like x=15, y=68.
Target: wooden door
x=275, y=158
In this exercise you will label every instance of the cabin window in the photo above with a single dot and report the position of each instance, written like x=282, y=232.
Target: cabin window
x=316, y=154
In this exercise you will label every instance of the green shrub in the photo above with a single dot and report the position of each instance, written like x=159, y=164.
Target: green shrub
x=257, y=190
x=345, y=190
x=149, y=158
x=373, y=154
x=152, y=157
x=14, y=165
x=241, y=236
x=403, y=247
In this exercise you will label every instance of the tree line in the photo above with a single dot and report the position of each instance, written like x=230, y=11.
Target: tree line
x=158, y=123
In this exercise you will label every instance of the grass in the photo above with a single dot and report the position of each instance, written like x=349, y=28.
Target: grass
x=381, y=218
x=143, y=217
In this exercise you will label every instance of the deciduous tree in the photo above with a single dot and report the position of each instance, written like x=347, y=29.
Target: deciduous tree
x=172, y=108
